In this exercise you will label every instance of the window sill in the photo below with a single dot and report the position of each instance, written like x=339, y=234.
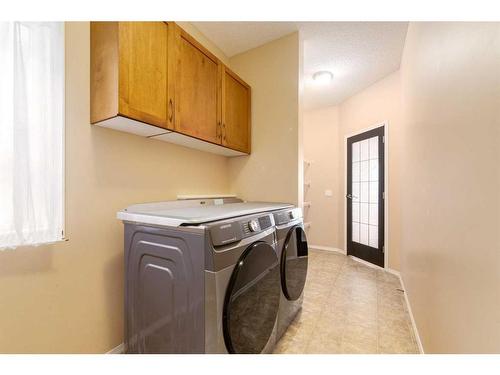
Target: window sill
x=33, y=244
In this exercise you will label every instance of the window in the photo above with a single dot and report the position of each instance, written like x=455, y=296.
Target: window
x=31, y=133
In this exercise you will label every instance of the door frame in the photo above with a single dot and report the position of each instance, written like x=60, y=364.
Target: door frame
x=385, y=124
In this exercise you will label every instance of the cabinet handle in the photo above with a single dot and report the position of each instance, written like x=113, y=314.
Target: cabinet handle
x=217, y=130
x=224, y=128
x=171, y=111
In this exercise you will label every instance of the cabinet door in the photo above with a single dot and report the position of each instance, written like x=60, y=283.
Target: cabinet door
x=235, y=112
x=144, y=73
x=197, y=95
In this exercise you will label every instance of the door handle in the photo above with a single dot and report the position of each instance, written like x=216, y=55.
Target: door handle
x=218, y=133
x=171, y=110
x=350, y=196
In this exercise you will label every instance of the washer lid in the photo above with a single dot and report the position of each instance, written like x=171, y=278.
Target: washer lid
x=162, y=213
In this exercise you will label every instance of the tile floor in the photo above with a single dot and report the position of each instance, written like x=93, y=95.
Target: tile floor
x=349, y=308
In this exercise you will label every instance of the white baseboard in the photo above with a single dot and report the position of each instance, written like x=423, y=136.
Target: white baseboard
x=120, y=349
x=364, y=262
x=390, y=270
x=327, y=248
x=394, y=272
x=419, y=342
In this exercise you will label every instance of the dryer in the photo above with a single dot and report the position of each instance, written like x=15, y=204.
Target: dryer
x=291, y=242
x=201, y=277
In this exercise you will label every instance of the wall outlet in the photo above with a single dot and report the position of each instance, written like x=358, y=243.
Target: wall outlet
x=328, y=193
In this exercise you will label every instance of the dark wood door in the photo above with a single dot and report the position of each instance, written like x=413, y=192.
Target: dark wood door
x=365, y=196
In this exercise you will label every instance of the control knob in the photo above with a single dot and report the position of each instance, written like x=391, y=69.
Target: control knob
x=253, y=225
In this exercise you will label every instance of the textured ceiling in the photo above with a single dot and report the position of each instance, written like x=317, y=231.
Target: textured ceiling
x=357, y=53
x=236, y=37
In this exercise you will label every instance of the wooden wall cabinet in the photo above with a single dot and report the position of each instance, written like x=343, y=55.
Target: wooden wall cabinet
x=235, y=109
x=130, y=73
x=155, y=80
x=197, y=89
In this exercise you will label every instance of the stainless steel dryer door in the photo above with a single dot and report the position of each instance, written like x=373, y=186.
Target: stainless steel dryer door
x=252, y=300
x=294, y=263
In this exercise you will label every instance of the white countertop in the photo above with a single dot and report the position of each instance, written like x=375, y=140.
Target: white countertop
x=170, y=214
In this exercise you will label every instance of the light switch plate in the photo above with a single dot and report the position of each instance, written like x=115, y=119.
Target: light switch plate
x=328, y=193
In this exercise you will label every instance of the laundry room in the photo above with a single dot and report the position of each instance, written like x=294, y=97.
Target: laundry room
x=107, y=170
x=272, y=184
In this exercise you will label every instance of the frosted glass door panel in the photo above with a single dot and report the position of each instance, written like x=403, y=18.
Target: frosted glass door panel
x=365, y=191
x=355, y=232
x=355, y=191
x=365, y=169
x=373, y=148
x=355, y=172
x=373, y=235
x=373, y=192
x=363, y=234
x=364, y=213
x=355, y=212
x=364, y=150
x=373, y=170
x=363, y=194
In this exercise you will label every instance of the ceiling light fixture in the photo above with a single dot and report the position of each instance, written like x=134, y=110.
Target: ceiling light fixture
x=323, y=77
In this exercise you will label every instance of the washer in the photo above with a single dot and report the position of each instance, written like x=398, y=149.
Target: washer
x=293, y=254
x=201, y=276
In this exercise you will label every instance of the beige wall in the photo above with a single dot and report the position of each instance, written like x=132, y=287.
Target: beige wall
x=271, y=172
x=325, y=134
x=450, y=200
x=321, y=148
x=68, y=297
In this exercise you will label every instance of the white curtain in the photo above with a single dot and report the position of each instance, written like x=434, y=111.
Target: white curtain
x=31, y=132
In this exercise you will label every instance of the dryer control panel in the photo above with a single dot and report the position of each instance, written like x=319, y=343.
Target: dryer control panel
x=285, y=216
x=229, y=231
